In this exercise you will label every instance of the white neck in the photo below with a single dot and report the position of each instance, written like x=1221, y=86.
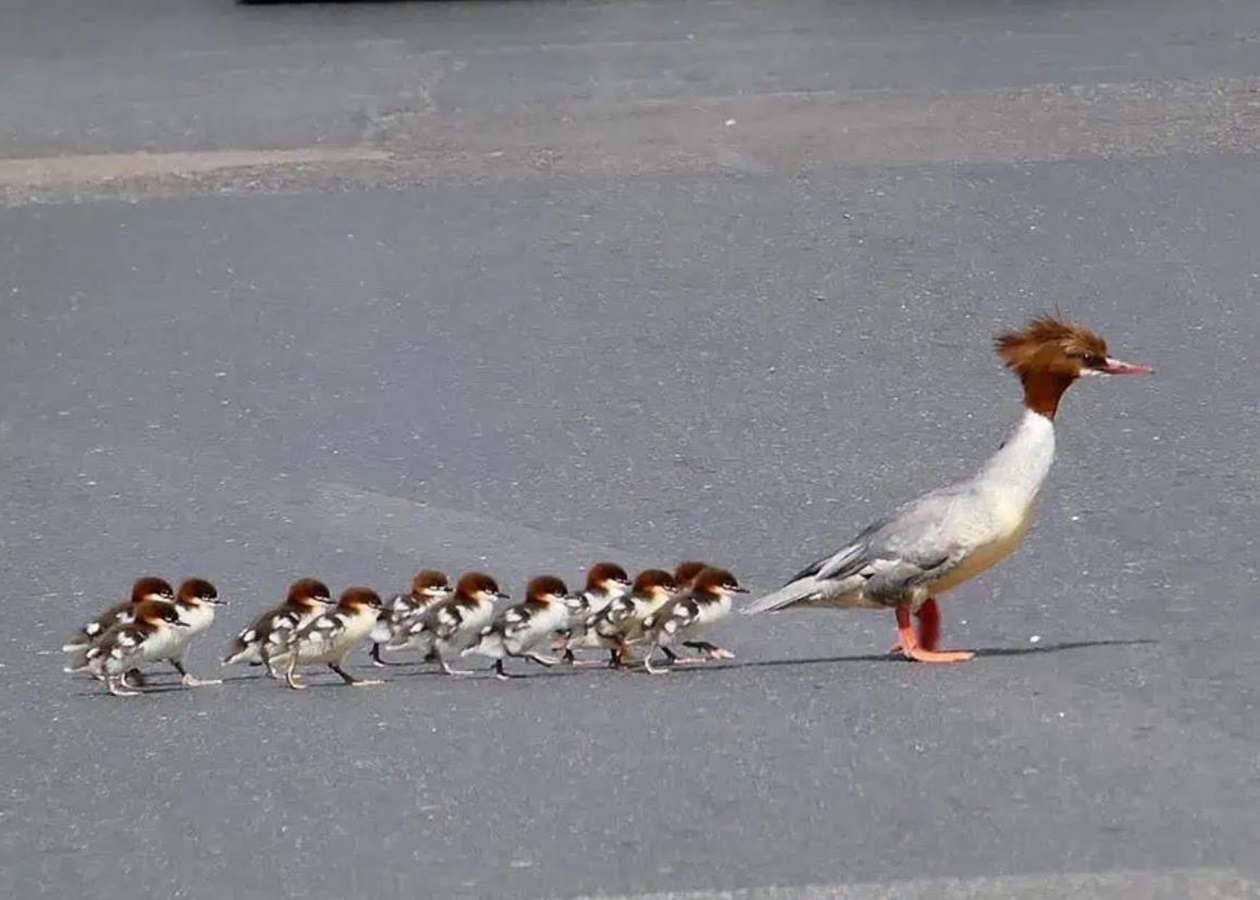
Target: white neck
x=1021, y=465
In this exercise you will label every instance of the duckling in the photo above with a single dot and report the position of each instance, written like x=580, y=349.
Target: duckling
x=456, y=624
x=151, y=635
x=146, y=588
x=330, y=636
x=605, y=582
x=265, y=638
x=195, y=603
x=428, y=589
x=708, y=602
x=619, y=625
x=524, y=628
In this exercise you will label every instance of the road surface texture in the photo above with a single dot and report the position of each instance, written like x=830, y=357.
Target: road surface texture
x=346, y=289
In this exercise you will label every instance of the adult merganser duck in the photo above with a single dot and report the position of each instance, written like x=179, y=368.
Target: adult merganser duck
x=949, y=536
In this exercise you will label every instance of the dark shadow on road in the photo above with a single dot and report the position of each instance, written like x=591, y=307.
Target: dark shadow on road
x=891, y=658
x=1066, y=645
x=420, y=670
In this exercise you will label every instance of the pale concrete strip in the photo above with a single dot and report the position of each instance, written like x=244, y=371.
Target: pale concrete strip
x=53, y=171
x=748, y=134
x=1166, y=884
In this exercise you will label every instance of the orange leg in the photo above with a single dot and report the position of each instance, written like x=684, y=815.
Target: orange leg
x=908, y=641
x=929, y=616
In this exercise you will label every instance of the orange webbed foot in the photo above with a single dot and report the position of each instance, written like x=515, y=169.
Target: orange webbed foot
x=921, y=646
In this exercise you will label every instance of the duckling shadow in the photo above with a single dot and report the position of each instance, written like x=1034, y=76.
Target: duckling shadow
x=148, y=690
x=164, y=685
x=398, y=671
x=983, y=652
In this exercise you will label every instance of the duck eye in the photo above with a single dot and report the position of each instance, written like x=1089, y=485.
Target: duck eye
x=1093, y=361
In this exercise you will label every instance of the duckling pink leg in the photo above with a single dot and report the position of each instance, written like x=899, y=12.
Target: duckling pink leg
x=908, y=643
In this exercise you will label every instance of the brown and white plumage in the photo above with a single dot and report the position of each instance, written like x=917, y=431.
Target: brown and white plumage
x=146, y=588
x=331, y=635
x=619, y=625
x=679, y=620
x=450, y=627
x=428, y=588
x=523, y=630
x=686, y=573
x=195, y=601
x=151, y=635
x=263, y=639
x=605, y=582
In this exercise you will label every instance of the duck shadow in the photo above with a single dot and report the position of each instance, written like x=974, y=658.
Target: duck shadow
x=419, y=670
x=981, y=653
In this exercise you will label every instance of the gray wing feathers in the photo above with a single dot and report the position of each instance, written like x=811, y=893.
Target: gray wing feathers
x=915, y=544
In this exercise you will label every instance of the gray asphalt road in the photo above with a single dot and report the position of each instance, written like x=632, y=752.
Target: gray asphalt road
x=642, y=280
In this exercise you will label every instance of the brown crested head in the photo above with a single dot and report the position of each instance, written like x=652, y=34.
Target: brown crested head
x=600, y=574
x=651, y=581
x=151, y=587
x=359, y=598
x=713, y=580
x=158, y=612
x=194, y=589
x=685, y=573
x=429, y=581
x=479, y=584
x=546, y=586
x=306, y=591
x=1050, y=354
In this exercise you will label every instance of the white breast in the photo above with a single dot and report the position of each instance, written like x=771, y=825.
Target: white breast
x=470, y=629
x=198, y=617
x=994, y=523
x=543, y=626
x=161, y=644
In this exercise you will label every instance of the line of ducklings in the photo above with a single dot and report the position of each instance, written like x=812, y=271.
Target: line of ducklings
x=658, y=610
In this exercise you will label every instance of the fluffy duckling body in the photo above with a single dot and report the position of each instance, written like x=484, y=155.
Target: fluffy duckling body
x=266, y=637
x=523, y=630
x=152, y=634
x=146, y=588
x=605, y=582
x=195, y=602
x=330, y=636
x=679, y=620
x=619, y=625
x=455, y=624
x=429, y=588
